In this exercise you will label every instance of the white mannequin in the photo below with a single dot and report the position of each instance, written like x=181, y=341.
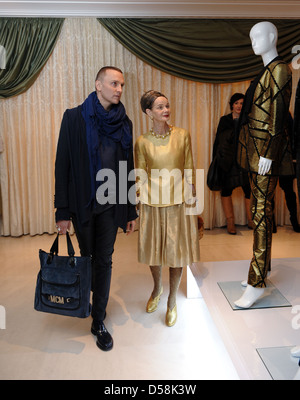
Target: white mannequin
x=295, y=352
x=245, y=282
x=264, y=41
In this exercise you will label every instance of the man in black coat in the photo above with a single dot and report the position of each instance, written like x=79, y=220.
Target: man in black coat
x=93, y=160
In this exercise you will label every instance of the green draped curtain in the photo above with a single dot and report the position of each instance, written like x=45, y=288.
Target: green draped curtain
x=211, y=51
x=28, y=43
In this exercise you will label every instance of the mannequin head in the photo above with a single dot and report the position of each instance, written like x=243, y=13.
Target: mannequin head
x=264, y=37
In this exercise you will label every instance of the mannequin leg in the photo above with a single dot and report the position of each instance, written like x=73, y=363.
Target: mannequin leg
x=248, y=213
x=249, y=297
x=295, y=352
x=245, y=282
x=157, y=290
x=228, y=210
x=287, y=185
x=175, y=279
x=263, y=188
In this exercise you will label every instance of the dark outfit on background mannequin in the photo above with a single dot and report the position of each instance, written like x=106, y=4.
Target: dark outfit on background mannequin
x=92, y=138
x=287, y=182
x=297, y=135
x=225, y=147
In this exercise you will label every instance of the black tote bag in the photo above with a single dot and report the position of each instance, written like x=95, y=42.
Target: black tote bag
x=63, y=283
x=215, y=175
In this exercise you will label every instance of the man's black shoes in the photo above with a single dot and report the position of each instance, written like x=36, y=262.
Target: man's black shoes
x=104, y=339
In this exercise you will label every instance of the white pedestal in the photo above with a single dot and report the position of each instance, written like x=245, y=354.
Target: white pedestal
x=192, y=289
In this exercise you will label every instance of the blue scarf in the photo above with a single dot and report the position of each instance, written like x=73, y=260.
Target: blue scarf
x=114, y=124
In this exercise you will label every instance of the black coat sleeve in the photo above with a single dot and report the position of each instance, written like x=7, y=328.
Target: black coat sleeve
x=224, y=145
x=62, y=173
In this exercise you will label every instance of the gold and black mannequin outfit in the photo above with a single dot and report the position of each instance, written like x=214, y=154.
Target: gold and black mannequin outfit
x=263, y=133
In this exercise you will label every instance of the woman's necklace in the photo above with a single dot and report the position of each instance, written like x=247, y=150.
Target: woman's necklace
x=158, y=136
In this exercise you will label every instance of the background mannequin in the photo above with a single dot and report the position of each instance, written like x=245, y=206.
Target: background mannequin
x=264, y=152
x=296, y=350
x=296, y=129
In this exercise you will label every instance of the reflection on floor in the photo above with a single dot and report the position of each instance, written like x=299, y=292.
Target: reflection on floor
x=209, y=341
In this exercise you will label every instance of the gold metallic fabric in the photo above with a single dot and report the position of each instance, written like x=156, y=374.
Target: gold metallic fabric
x=167, y=236
x=262, y=189
x=265, y=134
x=168, y=168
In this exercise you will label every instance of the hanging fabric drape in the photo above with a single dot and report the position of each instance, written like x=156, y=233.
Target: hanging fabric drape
x=30, y=124
x=28, y=43
x=210, y=51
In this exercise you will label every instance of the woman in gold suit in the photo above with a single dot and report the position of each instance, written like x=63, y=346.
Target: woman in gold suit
x=168, y=233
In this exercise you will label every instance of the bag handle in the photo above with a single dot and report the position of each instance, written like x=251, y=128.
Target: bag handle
x=71, y=251
x=54, y=249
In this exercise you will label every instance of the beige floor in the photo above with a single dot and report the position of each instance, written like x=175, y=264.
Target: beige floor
x=42, y=346
x=245, y=332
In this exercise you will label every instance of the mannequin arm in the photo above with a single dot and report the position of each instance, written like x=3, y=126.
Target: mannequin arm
x=264, y=165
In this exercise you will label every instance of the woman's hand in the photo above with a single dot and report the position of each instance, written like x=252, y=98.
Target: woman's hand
x=130, y=227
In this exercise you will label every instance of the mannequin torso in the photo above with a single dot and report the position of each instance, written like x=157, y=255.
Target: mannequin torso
x=264, y=40
x=264, y=147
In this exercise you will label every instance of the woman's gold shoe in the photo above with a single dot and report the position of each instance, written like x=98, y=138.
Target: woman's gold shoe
x=153, y=303
x=171, y=316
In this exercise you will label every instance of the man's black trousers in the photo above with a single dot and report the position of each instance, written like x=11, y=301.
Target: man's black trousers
x=97, y=238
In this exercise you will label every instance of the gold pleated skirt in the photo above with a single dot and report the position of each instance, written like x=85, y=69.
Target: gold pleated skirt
x=167, y=236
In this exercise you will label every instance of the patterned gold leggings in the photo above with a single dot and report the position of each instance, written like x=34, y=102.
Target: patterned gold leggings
x=262, y=194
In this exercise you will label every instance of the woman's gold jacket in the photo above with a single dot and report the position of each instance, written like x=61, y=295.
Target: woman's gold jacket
x=164, y=168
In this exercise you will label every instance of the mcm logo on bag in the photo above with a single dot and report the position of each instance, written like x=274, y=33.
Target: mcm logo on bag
x=59, y=299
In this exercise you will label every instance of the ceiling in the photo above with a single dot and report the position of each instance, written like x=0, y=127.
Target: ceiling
x=148, y=8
